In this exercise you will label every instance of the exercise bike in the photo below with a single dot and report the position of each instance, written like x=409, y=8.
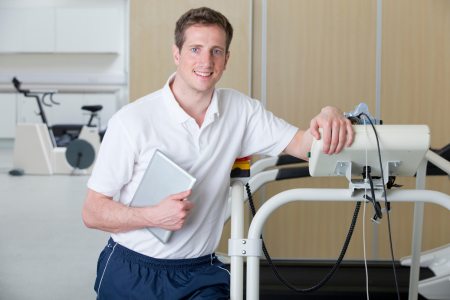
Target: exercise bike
x=37, y=150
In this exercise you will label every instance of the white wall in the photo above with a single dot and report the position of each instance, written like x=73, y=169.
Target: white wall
x=77, y=47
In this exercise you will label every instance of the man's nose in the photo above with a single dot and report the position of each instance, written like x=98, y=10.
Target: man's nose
x=206, y=57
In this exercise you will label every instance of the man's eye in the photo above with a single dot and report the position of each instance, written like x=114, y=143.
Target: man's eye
x=194, y=50
x=217, y=52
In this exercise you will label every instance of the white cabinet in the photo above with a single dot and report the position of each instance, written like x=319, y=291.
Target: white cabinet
x=27, y=30
x=60, y=30
x=8, y=119
x=87, y=30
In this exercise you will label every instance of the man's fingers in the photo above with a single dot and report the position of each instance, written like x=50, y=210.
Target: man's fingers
x=337, y=131
x=339, y=135
x=314, y=129
x=350, y=134
x=342, y=138
x=326, y=137
x=334, y=138
x=182, y=195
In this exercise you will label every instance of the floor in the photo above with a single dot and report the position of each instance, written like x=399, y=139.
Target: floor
x=45, y=250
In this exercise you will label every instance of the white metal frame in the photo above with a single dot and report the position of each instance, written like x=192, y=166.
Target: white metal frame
x=240, y=247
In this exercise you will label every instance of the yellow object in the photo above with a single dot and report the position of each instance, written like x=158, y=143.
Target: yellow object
x=241, y=167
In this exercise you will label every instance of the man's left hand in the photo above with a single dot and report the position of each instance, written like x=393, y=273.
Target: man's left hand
x=337, y=129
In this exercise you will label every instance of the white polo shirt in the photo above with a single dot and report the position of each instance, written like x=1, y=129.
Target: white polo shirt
x=234, y=126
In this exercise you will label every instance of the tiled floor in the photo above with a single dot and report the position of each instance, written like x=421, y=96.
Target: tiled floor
x=45, y=250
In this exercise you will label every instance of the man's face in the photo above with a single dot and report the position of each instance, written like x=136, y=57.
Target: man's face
x=202, y=58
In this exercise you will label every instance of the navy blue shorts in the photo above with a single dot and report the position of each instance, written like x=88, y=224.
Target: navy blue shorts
x=126, y=274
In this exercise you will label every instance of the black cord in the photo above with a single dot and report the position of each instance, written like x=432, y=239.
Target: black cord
x=376, y=205
x=386, y=204
x=327, y=277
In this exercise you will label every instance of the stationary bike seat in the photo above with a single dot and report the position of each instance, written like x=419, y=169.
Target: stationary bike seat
x=92, y=108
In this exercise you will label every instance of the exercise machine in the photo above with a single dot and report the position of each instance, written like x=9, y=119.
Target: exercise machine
x=436, y=286
x=405, y=152
x=36, y=150
x=277, y=273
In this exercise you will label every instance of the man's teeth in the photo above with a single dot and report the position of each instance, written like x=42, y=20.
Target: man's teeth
x=204, y=74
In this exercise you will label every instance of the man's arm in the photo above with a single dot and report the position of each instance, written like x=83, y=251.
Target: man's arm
x=337, y=133
x=101, y=212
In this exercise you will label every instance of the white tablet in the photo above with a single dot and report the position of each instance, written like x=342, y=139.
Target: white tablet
x=162, y=178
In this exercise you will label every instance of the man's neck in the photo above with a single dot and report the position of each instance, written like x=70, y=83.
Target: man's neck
x=195, y=104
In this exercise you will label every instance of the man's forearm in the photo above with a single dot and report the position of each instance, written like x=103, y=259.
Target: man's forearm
x=300, y=144
x=101, y=212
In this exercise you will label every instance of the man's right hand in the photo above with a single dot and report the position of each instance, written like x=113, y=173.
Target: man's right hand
x=173, y=211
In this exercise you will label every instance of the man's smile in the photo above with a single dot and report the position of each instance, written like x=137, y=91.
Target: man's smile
x=203, y=74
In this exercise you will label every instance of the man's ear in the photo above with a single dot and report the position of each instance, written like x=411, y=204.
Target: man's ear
x=176, y=54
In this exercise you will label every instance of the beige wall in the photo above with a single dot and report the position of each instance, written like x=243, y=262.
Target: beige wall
x=416, y=89
x=152, y=25
x=322, y=52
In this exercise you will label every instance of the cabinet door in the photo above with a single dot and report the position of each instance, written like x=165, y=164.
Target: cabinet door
x=8, y=121
x=88, y=30
x=27, y=30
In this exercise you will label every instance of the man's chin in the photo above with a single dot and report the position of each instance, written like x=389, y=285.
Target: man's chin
x=205, y=85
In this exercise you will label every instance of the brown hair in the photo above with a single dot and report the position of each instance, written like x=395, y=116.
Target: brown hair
x=204, y=16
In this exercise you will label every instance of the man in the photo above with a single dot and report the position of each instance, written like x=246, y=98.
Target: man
x=202, y=129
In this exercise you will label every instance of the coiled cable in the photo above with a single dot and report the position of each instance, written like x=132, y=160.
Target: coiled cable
x=333, y=270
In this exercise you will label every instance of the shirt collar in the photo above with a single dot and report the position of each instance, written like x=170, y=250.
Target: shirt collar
x=177, y=111
x=213, y=108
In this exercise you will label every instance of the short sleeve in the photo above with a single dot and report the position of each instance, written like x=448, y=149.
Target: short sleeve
x=265, y=133
x=115, y=160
